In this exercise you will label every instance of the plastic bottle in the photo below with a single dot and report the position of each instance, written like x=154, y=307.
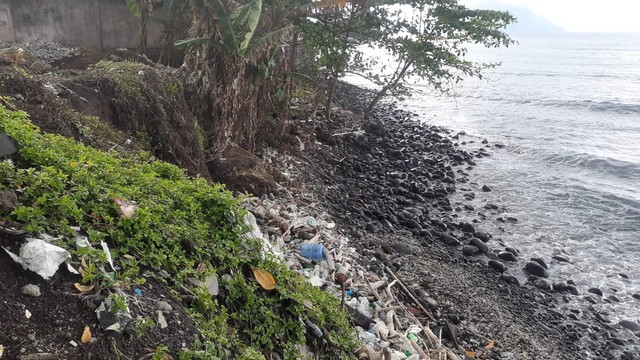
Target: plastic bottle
x=312, y=251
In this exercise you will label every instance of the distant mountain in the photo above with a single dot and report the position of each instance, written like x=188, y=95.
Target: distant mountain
x=528, y=21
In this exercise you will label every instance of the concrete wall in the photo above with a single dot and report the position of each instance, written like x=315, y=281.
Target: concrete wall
x=102, y=24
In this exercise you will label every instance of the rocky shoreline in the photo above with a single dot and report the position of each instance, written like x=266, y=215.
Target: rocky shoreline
x=390, y=187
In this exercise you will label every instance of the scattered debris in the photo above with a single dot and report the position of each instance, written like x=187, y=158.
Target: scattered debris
x=31, y=290
x=162, y=322
x=40, y=256
x=86, y=335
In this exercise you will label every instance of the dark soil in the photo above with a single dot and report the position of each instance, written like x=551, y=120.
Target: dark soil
x=60, y=314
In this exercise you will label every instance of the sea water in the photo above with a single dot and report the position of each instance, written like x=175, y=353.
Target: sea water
x=567, y=109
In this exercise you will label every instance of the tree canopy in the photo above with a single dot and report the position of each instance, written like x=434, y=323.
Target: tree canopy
x=244, y=58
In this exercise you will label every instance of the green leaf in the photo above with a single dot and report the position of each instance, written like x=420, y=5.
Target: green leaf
x=133, y=7
x=228, y=34
x=181, y=44
x=253, y=18
x=268, y=40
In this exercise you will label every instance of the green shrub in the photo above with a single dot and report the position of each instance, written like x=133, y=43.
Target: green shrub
x=181, y=223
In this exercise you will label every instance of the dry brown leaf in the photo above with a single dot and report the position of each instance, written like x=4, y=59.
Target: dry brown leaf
x=86, y=335
x=470, y=354
x=490, y=345
x=84, y=288
x=265, y=279
x=202, y=267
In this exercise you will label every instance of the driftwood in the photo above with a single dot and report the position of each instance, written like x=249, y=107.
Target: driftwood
x=409, y=293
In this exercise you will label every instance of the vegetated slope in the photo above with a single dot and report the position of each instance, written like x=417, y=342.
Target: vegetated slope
x=167, y=233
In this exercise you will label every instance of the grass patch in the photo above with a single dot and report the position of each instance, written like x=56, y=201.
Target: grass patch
x=182, y=225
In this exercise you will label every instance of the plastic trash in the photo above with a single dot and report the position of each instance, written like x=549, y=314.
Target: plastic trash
x=40, y=257
x=315, y=328
x=138, y=292
x=312, y=251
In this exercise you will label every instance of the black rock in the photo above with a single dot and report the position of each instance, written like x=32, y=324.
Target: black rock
x=512, y=250
x=482, y=236
x=560, y=287
x=497, y=265
x=636, y=296
x=469, y=250
x=613, y=298
x=541, y=262
x=480, y=245
x=536, y=269
x=590, y=299
x=542, y=284
x=510, y=278
x=403, y=248
x=412, y=224
x=449, y=239
x=595, y=290
x=561, y=258
x=485, y=188
x=573, y=289
x=468, y=228
x=628, y=324
x=371, y=227
x=624, y=276
x=507, y=256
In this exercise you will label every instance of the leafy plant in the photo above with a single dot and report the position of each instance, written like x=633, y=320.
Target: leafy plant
x=178, y=223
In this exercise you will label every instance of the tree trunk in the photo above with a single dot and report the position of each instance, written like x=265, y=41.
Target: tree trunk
x=290, y=67
x=226, y=97
x=145, y=11
x=327, y=106
x=397, y=77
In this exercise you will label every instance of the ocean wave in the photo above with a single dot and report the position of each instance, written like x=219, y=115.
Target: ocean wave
x=591, y=105
x=618, y=168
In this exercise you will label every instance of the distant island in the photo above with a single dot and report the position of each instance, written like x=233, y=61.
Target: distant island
x=528, y=21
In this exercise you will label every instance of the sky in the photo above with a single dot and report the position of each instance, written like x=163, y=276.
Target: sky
x=582, y=15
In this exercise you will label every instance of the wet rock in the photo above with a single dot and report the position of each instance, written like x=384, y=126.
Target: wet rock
x=541, y=262
x=497, y=265
x=31, y=290
x=480, y=245
x=624, y=276
x=514, y=251
x=561, y=258
x=613, y=298
x=560, y=286
x=536, y=269
x=485, y=188
x=468, y=228
x=595, y=290
x=8, y=201
x=449, y=239
x=371, y=227
x=628, y=324
x=469, y=250
x=482, y=236
x=573, y=289
x=510, y=278
x=636, y=296
x=542, y=284
x=507, y=256
x=590, y=299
